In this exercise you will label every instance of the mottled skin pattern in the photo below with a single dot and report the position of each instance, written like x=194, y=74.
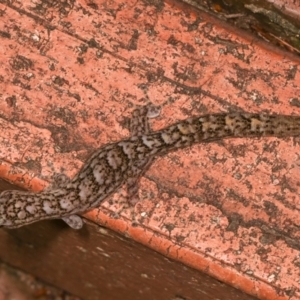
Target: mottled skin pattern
x=123, y=162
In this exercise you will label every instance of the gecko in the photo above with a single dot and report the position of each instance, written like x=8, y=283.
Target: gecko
x=124, y=162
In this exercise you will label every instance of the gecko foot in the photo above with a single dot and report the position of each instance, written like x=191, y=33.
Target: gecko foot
x=139, y=123
x=74, y=221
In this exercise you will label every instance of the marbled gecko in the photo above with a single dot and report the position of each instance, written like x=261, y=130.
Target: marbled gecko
x=123, y=162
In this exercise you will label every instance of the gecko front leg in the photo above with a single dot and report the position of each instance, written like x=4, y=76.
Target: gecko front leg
x=139, y=125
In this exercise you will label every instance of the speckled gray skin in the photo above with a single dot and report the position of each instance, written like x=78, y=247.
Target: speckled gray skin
x=123, y=162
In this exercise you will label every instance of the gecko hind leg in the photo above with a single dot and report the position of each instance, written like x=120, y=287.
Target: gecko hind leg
x=139, y=125
x=59, y=181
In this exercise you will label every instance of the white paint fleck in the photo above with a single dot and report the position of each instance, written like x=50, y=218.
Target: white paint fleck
x=271, y=278
x=35, y=37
